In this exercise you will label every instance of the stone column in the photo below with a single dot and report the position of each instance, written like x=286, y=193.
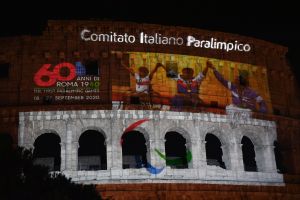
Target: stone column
x=63, y=156
x=259, y=158
x=116, y=148
x=21, y=131
x=157, y=140
x=74, y=155
x=156, y=160
x=195, y=148
x=115, y=159
x=108, y=153
x=150, y=148
x=236, y=156
x=270, y=161
x=226, y=156
x=265, y=158
x=202, y=154
x=71, y=148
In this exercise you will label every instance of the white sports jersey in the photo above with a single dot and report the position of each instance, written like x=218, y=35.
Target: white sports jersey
x=142, y=84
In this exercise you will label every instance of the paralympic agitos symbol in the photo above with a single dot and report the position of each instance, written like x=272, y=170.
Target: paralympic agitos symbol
x=149, y=167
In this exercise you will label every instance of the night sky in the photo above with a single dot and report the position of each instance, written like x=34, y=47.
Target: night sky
x=277, y=22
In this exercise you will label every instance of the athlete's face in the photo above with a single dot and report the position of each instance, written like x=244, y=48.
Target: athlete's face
x=187, y=74
x=241, y=81
x=143, y=72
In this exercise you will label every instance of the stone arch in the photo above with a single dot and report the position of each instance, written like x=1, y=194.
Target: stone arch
x=92, y=151
x=182, y=131
x=92, y=128
x=214, y=152
x=225, y=140
x=47, y=150
x=223, y=137
x=37, y=128
x=179, y=137
x=144, y=132
x=260, y=142
x=249, y=154
x=256, y=138
x=135, y=147
x=43, y=131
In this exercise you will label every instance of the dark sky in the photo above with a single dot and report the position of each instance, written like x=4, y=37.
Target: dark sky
x=273, y=21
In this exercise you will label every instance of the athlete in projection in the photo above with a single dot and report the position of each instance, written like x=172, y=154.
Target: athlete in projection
x=143, y=91
x=187, y=87
x=242, y=95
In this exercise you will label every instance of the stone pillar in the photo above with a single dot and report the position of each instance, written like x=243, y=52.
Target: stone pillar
x=116, y=156
x=71, y=148
x=236, y=156
x=265, y=158
x=202, y=154
x=108, y=153
x=115, y=159
x=157, y=141
x=196, y=153
x=259, y=158
x=63, y=156
x=150, y=148
x=156, y=160
x=270, y=161
x=116, y=148
x=226, y=156
x=21, y=131
x=74, y=156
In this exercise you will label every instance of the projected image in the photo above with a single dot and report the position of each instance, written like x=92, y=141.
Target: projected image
x=187, y=87
x=174, y=82
x=242, y=95
x=143, y=91
x=67, y=82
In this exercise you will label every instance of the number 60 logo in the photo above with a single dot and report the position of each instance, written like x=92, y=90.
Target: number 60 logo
x=45, y=78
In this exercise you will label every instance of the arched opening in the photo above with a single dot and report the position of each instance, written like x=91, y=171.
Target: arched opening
x=134, y=150
x=278, y=157
x=248, y=155
x=176, y=152
x=92, y=151
x=214, y=152
x=47, y=151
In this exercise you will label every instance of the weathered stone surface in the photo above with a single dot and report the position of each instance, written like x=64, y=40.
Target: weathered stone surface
x=193, y=127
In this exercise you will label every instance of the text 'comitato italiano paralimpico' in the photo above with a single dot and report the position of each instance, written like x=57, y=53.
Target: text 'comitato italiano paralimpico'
x=159, y=39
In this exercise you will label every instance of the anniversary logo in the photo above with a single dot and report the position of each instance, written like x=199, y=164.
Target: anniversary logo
x=66, y=81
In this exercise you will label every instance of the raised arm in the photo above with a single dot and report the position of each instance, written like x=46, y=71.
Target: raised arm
x=204, y=72
x=154, y=70
x=201, y=75
x=131, y=71
x=220, y=78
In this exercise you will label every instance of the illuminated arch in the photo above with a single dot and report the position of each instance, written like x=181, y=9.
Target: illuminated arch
x=249, y=154
x=92, y=153
x=47, y=151
x=182, y=131
x=213, y=150
x=135, y=149
x=176, y=149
